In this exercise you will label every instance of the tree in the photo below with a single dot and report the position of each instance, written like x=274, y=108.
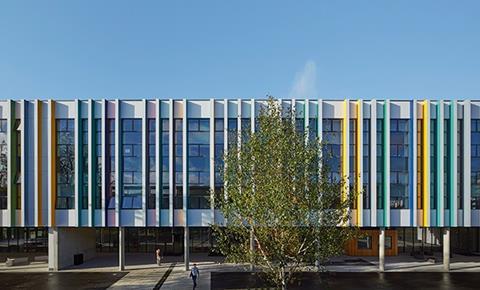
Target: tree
x=282, y=210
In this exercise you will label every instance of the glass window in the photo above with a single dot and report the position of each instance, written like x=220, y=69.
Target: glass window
x=366, y=164
x=178, y=166
x=232, y=128
x=399, y=183
x=419, y=164
x=433, y=163
x=379, y=185
x=312, y=128
x=65, y=164
x=84, y=177
x=98, y=161
x=110, y=163
x=460, y=163
x=388, y=242
x=151, y=196
x=3, y=164
x=198, y=163
x=352, y=158
x=165, y=164
x=332, y=151
x=475, y=164
x=17, y=141
x=364, y=242
x=132, y=163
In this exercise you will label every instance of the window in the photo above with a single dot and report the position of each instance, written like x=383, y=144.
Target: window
x=218, y=152
x=446, y=164
x=299, y=125
x=364, y=242
x=17, y=141
x=419, y=164
x=433, y=164
x=475, y=164
x=380, y=192
x=232, y=128
x=65, y=164
x=332, y=151
x=399, y=183
x=110, y=163
x=460, y=163
x=98, y=161
x=151, y=151
x=246, y=129
x=366, y=164
x=84, y=177
x=3, y=164
x=178, y=157
x=352, y=158
x=312, y=128
x=165, y=164
x=198, y=163
x=131, y=163
x=388, y=242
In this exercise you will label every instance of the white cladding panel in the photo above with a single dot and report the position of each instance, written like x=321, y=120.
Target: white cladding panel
x=65, y=109
x=131, y=109
x=232, y=109
x=399, y=110
x=246, y=109
x=333, y=109
x=198, y=109
x=219, y=110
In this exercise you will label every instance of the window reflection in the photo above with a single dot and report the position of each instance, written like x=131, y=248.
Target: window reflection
x=131, y=163
x=332, y=151
x=399, y=183
x=475, y=164
x=65, y=164
x=198, y=163
x=3, y=164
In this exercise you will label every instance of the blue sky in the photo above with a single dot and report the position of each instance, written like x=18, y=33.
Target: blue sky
x=231, y=49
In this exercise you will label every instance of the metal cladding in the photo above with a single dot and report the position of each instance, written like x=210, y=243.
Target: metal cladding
x=153, y=162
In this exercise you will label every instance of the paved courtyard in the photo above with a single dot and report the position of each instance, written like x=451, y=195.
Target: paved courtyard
x=141, y=272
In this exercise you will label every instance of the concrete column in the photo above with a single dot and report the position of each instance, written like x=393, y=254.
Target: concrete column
x=446, y=249
x=52, y=249
x=381, y=250
x=121, y=248
x=186, y=248
x=64, y=243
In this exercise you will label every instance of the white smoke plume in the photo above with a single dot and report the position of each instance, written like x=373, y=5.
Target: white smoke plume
x=305, y=83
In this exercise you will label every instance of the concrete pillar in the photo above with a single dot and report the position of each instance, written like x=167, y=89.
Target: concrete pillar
x=446, y=249
x=52, y=249
x=381, y=250
x=121, y=248
x=64, y=243
x=186, y=248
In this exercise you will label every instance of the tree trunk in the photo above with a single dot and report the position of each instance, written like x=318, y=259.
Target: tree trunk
x=283, y=279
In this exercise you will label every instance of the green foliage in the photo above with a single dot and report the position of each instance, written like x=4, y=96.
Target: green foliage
x=277, y=191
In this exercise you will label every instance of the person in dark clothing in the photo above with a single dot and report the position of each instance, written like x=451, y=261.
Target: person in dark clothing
x=194, y=273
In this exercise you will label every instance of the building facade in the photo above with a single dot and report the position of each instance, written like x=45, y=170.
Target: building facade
x=116, y=175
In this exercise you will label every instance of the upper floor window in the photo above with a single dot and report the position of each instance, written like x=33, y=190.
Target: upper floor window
x=131, y=163
x=198, y=163
x=65, y=164
x=332, y=151
x=399, y=182
x=3, y=164
x=475, y=164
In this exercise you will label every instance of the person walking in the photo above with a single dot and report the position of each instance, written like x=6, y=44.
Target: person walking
x=194, y=273
x=158, y=255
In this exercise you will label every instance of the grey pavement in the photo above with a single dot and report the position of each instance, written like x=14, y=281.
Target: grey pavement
x=143, y=273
